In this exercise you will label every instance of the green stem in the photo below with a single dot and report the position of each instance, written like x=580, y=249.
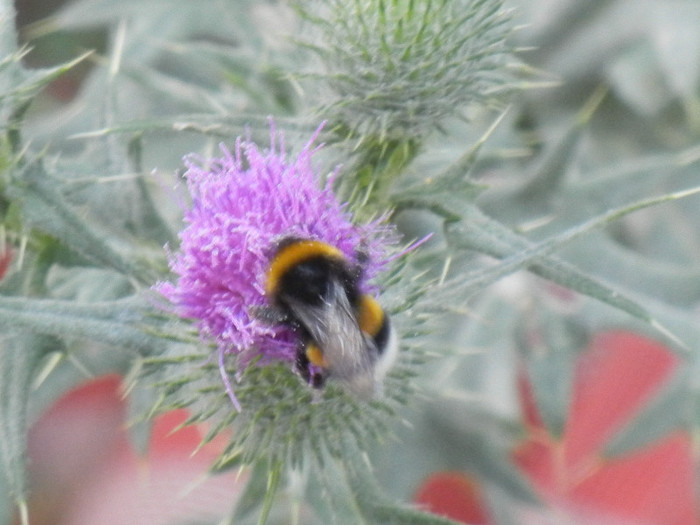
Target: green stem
x=20, y=355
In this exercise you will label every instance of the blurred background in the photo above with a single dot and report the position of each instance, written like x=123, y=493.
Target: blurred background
x=536, y=393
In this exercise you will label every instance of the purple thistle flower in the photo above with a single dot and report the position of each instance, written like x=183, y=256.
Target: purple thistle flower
x=243, y=204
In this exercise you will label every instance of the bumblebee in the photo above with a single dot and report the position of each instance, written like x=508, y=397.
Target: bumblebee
x=345, y=334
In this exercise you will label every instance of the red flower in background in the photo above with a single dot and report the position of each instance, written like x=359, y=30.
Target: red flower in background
x=615, y=378
x=84, y=470
x=5, y=259
x=454, y=495
x=654, y=485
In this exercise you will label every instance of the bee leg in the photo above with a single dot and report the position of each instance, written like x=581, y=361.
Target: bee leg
x=362, y=253
x=318, y=380
x=268, y=315
x=311, y=374
x=302, y=365
x=362, y=258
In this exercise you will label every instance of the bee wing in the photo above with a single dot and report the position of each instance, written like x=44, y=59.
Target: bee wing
x=334, y=327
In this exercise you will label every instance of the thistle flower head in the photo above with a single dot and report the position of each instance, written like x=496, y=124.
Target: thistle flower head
x=243, y=204
x=398, y=68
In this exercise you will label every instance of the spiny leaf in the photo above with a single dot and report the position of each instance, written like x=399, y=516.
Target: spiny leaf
x=447, y=192
x=538, y=190
x=45, y=208
x=18, y=88
x=253, y=494
x=481, y=454
x=551, y=358
x=274, y=473
x=36, y=79
x=219, y=126
x=122, y=323
x=20, y=356
x=372, y=506
x=537, y=257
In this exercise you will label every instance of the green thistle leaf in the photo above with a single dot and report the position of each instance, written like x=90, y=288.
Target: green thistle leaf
x=20, y=357
x=483, y=234
x=124, y=323
x=45, y=208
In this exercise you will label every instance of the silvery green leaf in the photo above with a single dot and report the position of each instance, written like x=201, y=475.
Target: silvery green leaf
x=19, y=355
x=45, y=208
x=669, y=410
x=464, y=447
x=125, y=323
x=493, y=239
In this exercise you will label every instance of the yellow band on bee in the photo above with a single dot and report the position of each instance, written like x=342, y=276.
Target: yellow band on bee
x=315, y=355
x=293, y=254
x=370, y=315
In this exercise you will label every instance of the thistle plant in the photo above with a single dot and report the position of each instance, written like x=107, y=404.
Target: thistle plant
x=244, y=205
x=390, y=73
x=494, y=226
x=375, y=56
